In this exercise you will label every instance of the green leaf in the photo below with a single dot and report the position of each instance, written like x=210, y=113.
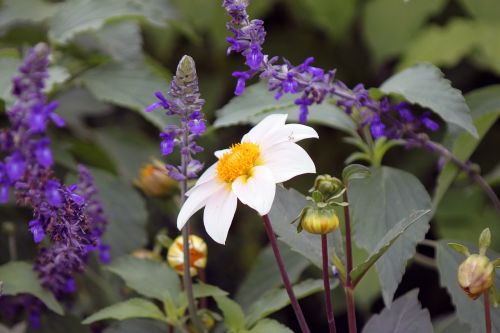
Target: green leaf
x=333, y=16
x=482, y=9
x=18, y=277
x=257, y=102
x=385, y=243
x=121, y=40
x=460, y=248
x=132, y=308
x=387, y=36
x=286, y=207
x=425, y=85
x=355, y=171
x=126, y=213
x=469, y=311
x=18, y=328
x=442, y=45
x=147, y=277
x=62, y=324
x=90, y=15
x=269, y=325
x=450, y=324
x=484, y=240
x=205, y=290
x=265, y=275
x=277, y=299
x=130, y=86
x=485, y=107
x=377, y=204
x=234, y=318
x=33, y=11
x=135, y=326
x=405, y=315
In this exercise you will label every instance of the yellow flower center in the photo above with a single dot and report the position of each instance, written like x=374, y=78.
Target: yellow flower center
x=239, y=161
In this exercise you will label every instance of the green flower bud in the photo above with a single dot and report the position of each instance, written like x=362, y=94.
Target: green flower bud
x=327, y=185
x=476, y=275
x=318, y=220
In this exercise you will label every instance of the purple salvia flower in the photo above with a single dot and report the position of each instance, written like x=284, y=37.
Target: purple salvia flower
x=314, y=84
x=185, y=103
x=36, y=229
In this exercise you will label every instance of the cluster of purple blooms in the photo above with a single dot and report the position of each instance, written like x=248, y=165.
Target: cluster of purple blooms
x=69, y=216
x=183, y=102
x=312, y=83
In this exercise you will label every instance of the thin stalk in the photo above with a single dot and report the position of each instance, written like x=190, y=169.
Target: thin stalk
x=425, y=261
x=349, y=289
x=284, y=275
x=12, y=247
x=487, y=311
x=186, y=278
x=326, y=284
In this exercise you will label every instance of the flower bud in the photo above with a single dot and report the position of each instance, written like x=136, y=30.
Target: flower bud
x=154, y=180
x=197, y=255
x=327, y=185
x=208, y=322
x=476, y=275
x=318, y=220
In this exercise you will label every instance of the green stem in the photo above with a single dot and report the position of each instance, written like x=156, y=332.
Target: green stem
x=349, y=288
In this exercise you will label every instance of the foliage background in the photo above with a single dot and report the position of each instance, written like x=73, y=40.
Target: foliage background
x=110, y=56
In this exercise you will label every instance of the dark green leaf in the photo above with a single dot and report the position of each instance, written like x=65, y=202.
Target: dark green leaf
x=405, y=315
x=450, y=324
x=482, y=9
x=385, y=243
x=355, y=171
x=8, y=68
x=269, y=325
x=377, y=204
x=277, y=299
x=136, y=326
x=18, y=328
x=32, y=11
x=147, y=277
x=234, y=318
x=132, y=308
x=265, y=275
x=206, y=290
x=425, y=85
x=18, y=277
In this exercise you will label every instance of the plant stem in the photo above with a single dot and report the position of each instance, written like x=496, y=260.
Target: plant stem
x=487, y=311
x=12, y=247
x=424, y=260
x=186, y=277
x=349, y=290
x=284, y=275
x=326, y=284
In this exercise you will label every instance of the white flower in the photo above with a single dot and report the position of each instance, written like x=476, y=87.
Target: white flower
x=248, y=171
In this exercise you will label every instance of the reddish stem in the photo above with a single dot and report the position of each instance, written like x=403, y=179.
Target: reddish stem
x=284, y=276
x=326, y=283
x=349, y=289
x=487, y=311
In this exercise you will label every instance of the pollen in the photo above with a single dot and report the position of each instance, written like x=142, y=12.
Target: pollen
x=239, y=161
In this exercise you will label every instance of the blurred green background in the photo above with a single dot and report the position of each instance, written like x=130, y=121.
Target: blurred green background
x=110, y=56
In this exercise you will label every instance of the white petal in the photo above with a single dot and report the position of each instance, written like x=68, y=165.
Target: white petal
x=219, y=213
x=198, y=198
x=287, y=160
x=209, y=174
x=256, y=191
x=221, y=152
x=289, y=133
x=266, y=126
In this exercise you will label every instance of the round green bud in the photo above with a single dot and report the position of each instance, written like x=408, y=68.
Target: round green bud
x=476, y=275
x=327, y=185
x=316, y=220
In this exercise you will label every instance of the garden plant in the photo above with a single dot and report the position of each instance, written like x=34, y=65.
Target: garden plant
x=259, y=166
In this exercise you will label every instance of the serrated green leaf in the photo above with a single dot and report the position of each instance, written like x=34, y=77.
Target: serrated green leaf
x=18, y=277
x=269, y=325
x=264, y=274
x=387, y=36
x=130, y=86
x=468, y=311
x=405, y=315
x=234, y=318
x=277, y=299
x=132, y=308
x=485, y=107
x=147, y=277
x=90, y=15
x=385, y=243
x=425, y=85
x=257, y=102
x=377, y=204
